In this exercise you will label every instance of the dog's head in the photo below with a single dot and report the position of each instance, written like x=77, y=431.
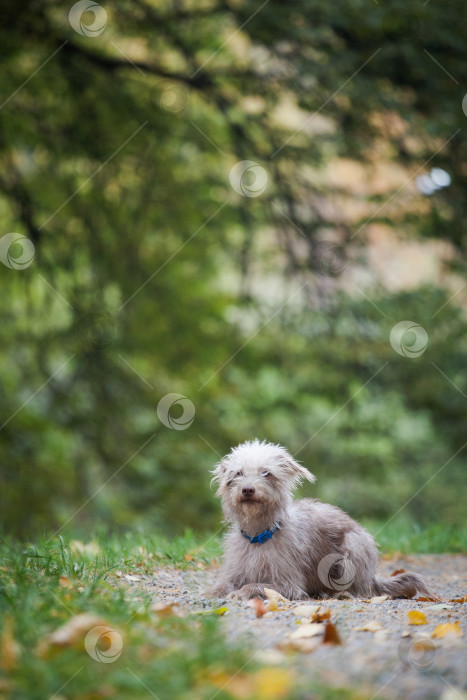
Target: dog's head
x=257, y=478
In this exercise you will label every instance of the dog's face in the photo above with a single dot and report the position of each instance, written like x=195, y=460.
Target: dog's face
x=257, y=477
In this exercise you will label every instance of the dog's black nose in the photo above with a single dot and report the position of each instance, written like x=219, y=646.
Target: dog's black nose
x=248, y=491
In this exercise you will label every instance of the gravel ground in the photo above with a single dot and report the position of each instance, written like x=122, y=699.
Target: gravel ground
x=387, y=661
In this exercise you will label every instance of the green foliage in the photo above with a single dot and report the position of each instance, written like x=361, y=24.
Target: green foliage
x=153, y=276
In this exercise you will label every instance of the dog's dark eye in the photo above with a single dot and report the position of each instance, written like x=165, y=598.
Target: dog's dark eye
x=266, y=473
x=239, y=473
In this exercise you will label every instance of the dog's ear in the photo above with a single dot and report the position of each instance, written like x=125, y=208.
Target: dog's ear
x=296, y=471
x=219, y=471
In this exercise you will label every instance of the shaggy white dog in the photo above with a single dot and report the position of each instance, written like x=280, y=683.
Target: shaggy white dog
x=300, y=548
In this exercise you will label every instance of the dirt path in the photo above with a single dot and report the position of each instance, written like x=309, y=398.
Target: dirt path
x=391, y=660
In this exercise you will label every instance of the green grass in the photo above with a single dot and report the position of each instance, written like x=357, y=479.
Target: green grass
x=45, y=585
x=410, y=538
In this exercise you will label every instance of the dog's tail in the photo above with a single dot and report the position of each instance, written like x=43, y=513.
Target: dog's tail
x=403, y=585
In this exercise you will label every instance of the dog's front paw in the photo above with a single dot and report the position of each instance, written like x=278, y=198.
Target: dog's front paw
x=250, y=590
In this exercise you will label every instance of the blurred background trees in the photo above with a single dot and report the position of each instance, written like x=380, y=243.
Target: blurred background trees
x=266, y=299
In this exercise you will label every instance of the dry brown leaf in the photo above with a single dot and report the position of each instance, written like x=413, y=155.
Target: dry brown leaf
x=427, y=599
x=188, y=557
x=397, y=572
x=446, y=628
x=168, y=609
x=258, y=606
x=331, y=635
x=370, y=626
x=416, y=617
x=9, y=649
x=459, y=600
x=306, y=630
x=321, y=615
x=65, y=582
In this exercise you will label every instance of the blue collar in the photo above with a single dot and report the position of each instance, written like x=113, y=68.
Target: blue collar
x=263, y=536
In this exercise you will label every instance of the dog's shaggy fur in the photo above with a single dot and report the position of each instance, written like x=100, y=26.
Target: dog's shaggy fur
x=317, y=551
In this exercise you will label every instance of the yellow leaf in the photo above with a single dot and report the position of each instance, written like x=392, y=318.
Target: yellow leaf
x=417, y=618
x=272, y=683
x=222, y=611
x=447, y=628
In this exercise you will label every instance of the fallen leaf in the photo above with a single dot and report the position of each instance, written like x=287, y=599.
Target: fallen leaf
x=305, y=646
x=459, y=600
x=272, y=683
x=65, y=582
x=130, y=577
x=90, y=549
x=274, y=596
x=397, y=572
x=258, y=606
x=306, y=630
x=426, y=599
x=379, y=598
x=321, y=615
x=168, y=609
x=71, y=632
x=305, y=610
x=417, y=618
x=370, y=626
x=9, y=648
x=240, y=684
x=222, y=610
x=188, y=557
x=331, y=635
x=447, y=628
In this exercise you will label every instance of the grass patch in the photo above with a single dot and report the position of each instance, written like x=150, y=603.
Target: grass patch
x=411, y=538
x=46, y=585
